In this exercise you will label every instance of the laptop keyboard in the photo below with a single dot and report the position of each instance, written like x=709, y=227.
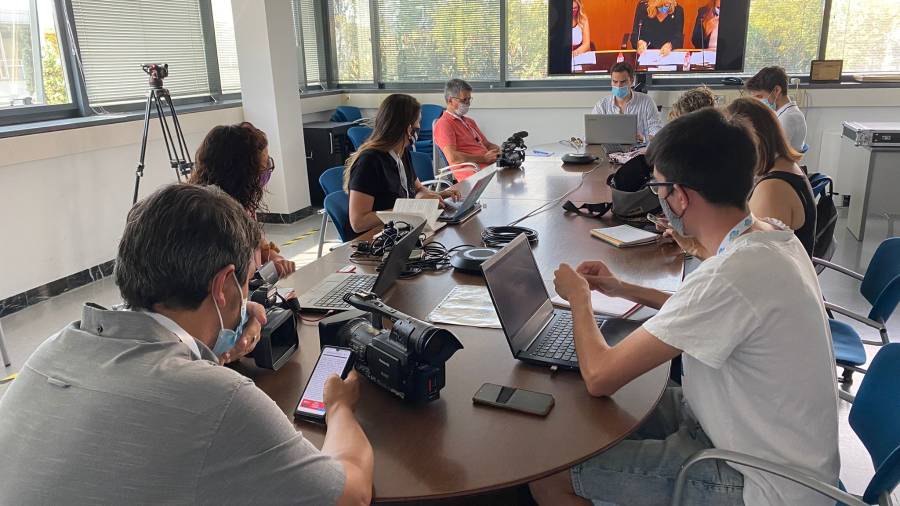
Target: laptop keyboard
x=558, y=343
x=354, y=283
x=616, y=148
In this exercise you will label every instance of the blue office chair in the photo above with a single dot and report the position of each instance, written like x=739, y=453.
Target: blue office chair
x=874, y=417
x=358, y=135
x=424, y=170
x=425, y=148
x=881, y=287
x=430, y=114
x=337, y=205
x=820, y=183
x=346, y=113
x=332, y=180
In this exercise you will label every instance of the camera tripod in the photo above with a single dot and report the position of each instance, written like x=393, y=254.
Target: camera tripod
x=159, y=98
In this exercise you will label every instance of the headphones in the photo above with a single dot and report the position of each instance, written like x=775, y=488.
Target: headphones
x=497, y=237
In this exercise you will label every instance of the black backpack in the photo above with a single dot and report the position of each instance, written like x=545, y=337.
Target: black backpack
x=826, y=217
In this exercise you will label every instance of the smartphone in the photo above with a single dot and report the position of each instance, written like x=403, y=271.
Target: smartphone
x=332, y=360
x=526, y=401
x=656, y=220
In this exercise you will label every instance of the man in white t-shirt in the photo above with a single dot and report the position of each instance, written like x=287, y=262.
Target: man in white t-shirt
x=759, y=374
x=770, y=85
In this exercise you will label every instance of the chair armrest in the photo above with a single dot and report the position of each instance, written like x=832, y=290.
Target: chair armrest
x=763, y=465
x=438, y=183
x=858, y=317
x=450, y=169
x=842, y=270
x=846, y=396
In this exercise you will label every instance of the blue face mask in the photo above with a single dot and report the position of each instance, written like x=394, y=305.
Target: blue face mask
x=228, y=337
x=768, y=102
x=675, y=221
x=663, y=9
x=620, y=91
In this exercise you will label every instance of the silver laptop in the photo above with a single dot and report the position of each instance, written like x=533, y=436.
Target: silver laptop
x=536, y=332
x=615, y=132
x=456, y=212
x=328, y=295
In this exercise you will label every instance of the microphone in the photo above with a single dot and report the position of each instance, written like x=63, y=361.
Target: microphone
x=520, y=134
x=640, y=27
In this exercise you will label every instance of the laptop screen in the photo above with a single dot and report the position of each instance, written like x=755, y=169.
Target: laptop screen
x=517, y=289
x=396, y=261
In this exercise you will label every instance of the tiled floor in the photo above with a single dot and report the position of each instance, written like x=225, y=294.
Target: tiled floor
x=26, y=329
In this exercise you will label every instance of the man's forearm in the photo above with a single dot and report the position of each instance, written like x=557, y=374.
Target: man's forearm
x=590, y=345
x=345, y=440
x=649, y=297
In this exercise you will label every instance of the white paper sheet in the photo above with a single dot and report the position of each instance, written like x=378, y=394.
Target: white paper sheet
x=422, y=209
x=466, y=305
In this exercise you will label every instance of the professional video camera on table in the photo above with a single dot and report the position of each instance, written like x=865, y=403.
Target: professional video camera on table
x=444, y=445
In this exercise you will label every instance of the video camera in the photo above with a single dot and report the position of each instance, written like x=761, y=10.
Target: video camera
x=408, y=360
x=278, y=339
x=157, y=72
x=512, y=151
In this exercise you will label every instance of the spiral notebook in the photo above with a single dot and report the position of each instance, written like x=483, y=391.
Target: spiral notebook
x=624, y=236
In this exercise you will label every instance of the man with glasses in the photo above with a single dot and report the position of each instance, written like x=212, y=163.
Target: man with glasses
x=456, y=134
x=749, y=323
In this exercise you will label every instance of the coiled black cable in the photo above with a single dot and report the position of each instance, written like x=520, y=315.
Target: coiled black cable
x=497, y=237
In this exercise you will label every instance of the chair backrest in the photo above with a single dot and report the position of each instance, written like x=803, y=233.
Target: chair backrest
x=875, y=417
x=346, y=113
x=358, y=135
x=430, y=114
x=422, y=166
x=820, y=183
x=881, y=284
x=337, y=205
x=332, y=180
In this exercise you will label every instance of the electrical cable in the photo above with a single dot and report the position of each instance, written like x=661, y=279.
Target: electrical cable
x=548, y=205
x=497, y=237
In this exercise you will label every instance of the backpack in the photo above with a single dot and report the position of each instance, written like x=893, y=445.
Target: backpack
x=826, y=216
x=631, y=199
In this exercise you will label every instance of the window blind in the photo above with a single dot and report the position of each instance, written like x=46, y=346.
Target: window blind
x=306, y=30
x=229, y=75
x=433, y=41
x=117, y=36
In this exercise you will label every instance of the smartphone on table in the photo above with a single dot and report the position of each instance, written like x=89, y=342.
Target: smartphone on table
x=332, y=360
x=516, y=399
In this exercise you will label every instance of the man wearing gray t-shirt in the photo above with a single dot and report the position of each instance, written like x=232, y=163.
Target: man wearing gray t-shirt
x=749, y=324
x=132, y=406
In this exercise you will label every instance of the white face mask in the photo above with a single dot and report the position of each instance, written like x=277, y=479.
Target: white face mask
x=462, y=109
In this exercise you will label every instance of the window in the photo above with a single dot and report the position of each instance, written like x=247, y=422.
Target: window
x=306, y=34
x=31, y=68
x=785, y=33
x=226, y=49
x=429, y=41
x=865, y=34
x=353, y=41
x=526, y=48
x=116, y=37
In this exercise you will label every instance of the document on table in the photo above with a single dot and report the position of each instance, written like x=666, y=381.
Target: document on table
x=467, y=305
x=588, y=58
x=422, y=209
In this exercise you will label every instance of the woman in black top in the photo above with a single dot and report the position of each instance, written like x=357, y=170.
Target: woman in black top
x=706, y=26
x=658, y=24
x=381, y=171
x=782, y=189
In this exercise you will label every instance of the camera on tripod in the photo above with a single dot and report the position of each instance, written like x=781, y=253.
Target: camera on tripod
x=157, y=72
x=512, y=151
x=408, y=360
x=278, y=339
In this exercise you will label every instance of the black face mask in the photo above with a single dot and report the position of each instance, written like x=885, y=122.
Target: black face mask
x=414, y=136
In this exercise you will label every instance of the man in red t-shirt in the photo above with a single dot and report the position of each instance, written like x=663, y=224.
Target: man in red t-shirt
x=456, y=134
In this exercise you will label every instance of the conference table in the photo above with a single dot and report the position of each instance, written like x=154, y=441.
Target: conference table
x=451, y=447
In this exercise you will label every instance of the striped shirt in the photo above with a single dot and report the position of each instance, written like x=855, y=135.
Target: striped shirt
x=640, y=105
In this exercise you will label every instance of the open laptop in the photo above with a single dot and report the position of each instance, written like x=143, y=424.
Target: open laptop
x=457, y=212
x=328, y=295
x=615, y=132
x=536, y=331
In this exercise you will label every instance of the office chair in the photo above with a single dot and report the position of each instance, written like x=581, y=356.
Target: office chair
x=424, y=170
x=332, y=180
x=337, y=205
x=3, y=353
x=358, y=135
x=874, y=417
x=346, y=113
x=430, y=114
x=881, y=287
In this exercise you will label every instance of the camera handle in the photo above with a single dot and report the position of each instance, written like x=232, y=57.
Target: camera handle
x=370, y=303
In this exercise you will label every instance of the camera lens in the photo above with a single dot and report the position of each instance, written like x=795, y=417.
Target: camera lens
x=436, y=346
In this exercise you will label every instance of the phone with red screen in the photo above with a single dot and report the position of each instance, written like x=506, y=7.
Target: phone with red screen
x=332, y=360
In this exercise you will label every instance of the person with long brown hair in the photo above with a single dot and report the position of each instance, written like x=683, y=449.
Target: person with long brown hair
x=706, y=26
x=381, y=171
x=581, y=30
x=236, y=159
x=782, y=190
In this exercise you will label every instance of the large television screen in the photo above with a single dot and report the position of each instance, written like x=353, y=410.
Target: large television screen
x=590, y=36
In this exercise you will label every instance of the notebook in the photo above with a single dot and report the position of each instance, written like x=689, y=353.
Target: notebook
x=624, y=236
x=616, y=307
x=414, y=211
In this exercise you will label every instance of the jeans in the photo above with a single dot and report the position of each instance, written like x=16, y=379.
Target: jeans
x=641, y=470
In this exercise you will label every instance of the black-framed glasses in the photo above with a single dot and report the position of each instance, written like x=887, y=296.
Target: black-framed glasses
x=467, y=101
x=655, y=185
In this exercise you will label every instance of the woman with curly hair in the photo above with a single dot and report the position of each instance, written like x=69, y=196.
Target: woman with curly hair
x=692, y=100
x=236, y=159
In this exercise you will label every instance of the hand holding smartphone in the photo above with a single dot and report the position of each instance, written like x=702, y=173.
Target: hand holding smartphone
x=332, y=360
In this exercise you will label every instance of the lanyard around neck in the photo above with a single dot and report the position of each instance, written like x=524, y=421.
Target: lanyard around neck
x=176, y=329
x=401, y=168
x=735, y=232
x=469, y=128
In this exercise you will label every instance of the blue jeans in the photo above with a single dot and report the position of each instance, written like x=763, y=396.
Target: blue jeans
x=641, y=470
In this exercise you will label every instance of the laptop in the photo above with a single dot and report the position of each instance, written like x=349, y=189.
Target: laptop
x=536, y=332
x=328, y=295
x=615, y=132
x=457, y=212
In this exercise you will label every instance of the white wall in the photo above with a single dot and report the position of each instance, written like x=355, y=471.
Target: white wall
x=64, y=195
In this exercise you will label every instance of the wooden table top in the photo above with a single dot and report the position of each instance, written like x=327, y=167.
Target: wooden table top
x=450, y=447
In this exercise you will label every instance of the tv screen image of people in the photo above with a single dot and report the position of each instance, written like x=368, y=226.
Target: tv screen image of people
x=590, y=36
